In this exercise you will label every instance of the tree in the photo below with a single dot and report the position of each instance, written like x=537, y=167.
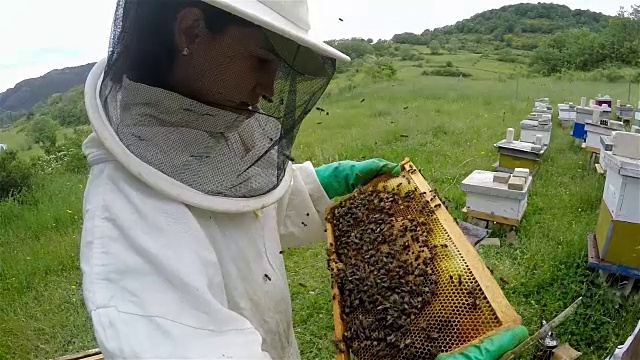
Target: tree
x=43, y=131
x=435, y=47
x=355, y=48
x=370, y=40
x=518, y=19
x=454, y=45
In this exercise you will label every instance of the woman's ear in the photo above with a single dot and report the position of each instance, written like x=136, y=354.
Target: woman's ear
x=189, y=27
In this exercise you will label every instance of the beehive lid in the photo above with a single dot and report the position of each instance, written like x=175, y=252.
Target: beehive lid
x=534, y=125
x=584, y=110
x=567, y=107
x=465, y=306
x=481, y=182
x=597, y=129
x=539, y=116
x=623, y=165
x=520, y=146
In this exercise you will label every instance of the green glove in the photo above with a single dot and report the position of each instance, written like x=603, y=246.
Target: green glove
x=491, y=348
x=342, y=177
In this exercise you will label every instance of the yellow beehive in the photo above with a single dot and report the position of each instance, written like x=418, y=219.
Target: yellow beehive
x=450, y=321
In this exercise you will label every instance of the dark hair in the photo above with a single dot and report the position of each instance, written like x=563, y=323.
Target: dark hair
x=142, y=43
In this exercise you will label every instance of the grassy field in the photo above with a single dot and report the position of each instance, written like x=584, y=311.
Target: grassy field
x=447, y=127
x=16, y=138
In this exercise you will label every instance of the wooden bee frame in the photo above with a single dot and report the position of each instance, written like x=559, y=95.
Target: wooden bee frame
x=503, y=315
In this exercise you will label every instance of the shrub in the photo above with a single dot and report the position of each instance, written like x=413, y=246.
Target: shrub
x=15, y=174
x=446, y=71
x=613, y=75
x=381, y=69
x=66, y=156
x=449, y=64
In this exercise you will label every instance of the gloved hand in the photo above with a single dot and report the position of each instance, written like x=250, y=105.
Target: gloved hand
x=491, y=348
x=342, y=177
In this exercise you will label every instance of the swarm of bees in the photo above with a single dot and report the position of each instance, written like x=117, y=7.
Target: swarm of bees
x=396, y=270
x=384, y=272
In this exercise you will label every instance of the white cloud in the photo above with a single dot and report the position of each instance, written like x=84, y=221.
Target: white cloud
x=40, y=35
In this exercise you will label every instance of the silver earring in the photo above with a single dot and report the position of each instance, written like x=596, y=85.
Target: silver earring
x=185, y=52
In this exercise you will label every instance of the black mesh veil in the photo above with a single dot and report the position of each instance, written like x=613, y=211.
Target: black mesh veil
x=237, y=148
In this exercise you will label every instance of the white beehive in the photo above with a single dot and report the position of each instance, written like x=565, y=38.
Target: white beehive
x=626, y=144
x=583, y=114
x=622, y=187
x=566, y=112
x=625, y=111
x=594, y=132
x=530, y=128
x=489, y=197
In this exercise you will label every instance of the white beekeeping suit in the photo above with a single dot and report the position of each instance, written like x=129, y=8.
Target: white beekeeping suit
x=188, y=206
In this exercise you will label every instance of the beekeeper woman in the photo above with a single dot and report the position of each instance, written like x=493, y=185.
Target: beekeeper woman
x=192, y=194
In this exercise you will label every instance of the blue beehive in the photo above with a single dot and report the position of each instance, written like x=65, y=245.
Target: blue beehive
x=582, y=114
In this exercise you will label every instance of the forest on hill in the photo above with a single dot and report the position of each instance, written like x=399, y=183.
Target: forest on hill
x=555, y=37
x=518, y=26
x=25, y=94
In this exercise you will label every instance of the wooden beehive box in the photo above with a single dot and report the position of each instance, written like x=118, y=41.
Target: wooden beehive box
x=618, y=228
x=450, y=320
x=488, y=197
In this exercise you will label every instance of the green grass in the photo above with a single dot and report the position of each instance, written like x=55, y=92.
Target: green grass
x=451, y=127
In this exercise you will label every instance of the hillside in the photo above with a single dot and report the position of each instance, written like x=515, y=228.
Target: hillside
x=519, y=26
x=27, y=93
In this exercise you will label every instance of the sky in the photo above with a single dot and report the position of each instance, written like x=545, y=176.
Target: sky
x=37, y=36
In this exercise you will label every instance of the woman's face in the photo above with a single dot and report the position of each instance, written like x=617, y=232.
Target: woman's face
x=234, y=69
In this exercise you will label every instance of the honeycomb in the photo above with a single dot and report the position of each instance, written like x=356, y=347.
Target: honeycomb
x=465, y=304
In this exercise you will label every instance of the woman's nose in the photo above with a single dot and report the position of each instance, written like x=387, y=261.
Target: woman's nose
x=266, y=86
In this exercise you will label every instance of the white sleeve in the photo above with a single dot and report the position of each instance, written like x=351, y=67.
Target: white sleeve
x=151, y=280
x=301, y=210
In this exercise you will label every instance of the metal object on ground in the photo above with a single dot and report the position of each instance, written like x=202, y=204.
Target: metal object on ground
x=546, y=345
x=465, y=304
x=543, y=331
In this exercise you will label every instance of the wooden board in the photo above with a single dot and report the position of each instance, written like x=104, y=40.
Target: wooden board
x=94, y=354
x=591, y=149
x=491, y=217
x=600, y=169
x=342, y=352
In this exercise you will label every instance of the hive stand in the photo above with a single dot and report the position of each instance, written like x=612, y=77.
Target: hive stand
x=594, y=155
x=627, y=275
x=491, y=220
